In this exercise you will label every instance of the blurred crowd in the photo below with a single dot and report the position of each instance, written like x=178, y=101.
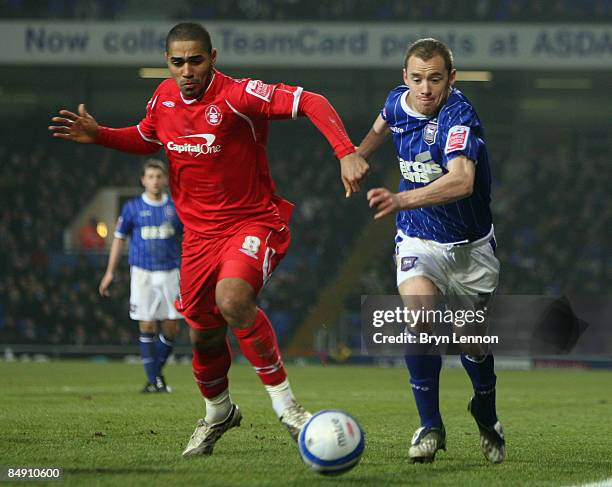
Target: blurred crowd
x=552, y=212
x=45, y=296
x=49, y=296
x=300, y=10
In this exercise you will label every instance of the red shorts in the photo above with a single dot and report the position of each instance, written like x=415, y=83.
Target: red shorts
x=251, y=254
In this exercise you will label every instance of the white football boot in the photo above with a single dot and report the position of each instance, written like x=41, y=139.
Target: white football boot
x=205, y=436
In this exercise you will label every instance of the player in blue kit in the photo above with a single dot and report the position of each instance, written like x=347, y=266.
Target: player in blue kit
x=445, y=243
x=151, y=223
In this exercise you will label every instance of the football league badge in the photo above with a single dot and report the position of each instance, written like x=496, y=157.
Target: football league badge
x=429, y=133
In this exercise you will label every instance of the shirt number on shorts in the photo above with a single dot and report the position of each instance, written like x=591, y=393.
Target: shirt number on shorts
x=251, y=244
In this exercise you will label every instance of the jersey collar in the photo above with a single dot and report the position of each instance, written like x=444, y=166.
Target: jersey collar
x=410, y=111
x=151, y=202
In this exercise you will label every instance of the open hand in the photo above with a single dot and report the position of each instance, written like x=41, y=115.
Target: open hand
x=81, y=128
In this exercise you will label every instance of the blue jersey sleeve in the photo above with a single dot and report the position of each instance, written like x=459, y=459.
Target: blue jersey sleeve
x=460, y=133
x=125, y=222
x=392, y=104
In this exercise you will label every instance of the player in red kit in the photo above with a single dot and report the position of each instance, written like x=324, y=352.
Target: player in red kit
x=214, y=130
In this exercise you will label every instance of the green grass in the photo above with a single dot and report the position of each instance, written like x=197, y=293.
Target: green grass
x=89, y=419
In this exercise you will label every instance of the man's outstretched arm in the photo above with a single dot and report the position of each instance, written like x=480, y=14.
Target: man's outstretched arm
x=353, y=167
x=84, y=129
x=374, y=138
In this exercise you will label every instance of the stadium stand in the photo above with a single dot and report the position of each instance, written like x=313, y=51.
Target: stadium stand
x=49, y=297
x=341, y=10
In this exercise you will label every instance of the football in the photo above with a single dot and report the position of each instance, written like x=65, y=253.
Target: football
x=331, y=442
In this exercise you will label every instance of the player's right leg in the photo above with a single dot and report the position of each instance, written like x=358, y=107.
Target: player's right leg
x=424, y=364
x=211, y=363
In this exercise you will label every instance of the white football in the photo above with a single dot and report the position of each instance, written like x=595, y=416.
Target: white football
x=331, y=442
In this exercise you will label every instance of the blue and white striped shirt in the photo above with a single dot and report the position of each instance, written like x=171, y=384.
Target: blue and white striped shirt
x=153, y=227
x=424, y=146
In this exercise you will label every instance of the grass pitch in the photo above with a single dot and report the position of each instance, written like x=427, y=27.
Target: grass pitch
x=89, y=419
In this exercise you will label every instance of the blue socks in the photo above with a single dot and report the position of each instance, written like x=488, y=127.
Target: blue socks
x=425, y=381
x=148, y=354
x=164, y=349
x=482, y=374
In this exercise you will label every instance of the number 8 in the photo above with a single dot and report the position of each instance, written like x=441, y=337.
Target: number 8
x=251, y=244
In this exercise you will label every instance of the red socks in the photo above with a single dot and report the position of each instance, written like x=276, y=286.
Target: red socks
x=210, y=370
x=258, y=344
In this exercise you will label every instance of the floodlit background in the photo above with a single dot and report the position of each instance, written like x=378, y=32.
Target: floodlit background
x=538, y=73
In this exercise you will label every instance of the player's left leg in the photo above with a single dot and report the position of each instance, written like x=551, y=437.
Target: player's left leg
x=480, y=278
x=166, y=284
x=143, y=303
x=148, y=355
x=164, y=346
x=236, y=300
x=482, y=405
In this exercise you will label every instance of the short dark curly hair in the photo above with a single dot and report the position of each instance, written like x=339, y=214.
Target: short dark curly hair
x=189, y=31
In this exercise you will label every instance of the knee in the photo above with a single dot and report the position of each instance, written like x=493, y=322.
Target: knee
x=237, y=308
x=147, y=327
x=170, y=329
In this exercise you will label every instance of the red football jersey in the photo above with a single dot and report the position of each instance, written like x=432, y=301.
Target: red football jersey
x=216, y=145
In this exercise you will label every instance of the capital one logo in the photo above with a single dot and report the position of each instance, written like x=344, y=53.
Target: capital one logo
x=197, y=148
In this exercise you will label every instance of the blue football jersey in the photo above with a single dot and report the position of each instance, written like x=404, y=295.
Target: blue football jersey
x=153, y=227
x=424, y=146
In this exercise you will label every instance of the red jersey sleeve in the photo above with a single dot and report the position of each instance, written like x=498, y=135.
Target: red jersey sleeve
x=257, y=99
x=139, y=139
x=280, y=101
x=146, y=127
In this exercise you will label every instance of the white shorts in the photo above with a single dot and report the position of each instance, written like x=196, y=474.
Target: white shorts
x=467, y=270
x=152, y=294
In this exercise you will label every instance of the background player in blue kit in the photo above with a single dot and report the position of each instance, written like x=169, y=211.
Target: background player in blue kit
x=151, y=223
x=445, y=242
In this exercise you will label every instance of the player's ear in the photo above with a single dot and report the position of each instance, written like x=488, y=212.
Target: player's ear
x=213, y=56
x=405, y=76
x=452, y=77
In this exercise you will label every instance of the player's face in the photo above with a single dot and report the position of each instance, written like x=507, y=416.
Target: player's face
x=191, y=66
x=429, y=82
x=154, y=181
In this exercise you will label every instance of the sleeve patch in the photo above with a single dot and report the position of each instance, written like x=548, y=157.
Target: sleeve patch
x=260, y=89
x=457, y=138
